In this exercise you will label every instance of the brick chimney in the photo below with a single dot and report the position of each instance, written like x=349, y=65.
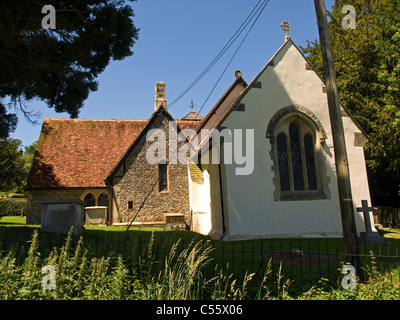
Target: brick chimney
x=160, y=96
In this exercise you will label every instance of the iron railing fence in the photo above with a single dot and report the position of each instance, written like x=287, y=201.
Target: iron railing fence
x=305, y=260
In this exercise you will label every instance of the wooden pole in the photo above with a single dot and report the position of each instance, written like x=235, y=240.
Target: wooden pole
x=342, y=167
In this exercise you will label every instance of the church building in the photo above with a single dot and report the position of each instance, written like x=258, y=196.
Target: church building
x=264, y=169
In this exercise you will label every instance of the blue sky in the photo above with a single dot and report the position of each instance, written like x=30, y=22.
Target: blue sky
x=177, y=41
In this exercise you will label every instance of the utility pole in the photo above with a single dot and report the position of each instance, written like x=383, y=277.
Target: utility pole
x=341, y=161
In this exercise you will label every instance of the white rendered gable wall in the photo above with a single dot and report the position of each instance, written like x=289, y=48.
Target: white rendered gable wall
x=251, y=208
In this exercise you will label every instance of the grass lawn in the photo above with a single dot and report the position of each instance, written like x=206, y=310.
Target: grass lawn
x=302, y=258
x=10, y=194
x=390, y=233
x=14, y=221
x=103, y=240
x=17, y=221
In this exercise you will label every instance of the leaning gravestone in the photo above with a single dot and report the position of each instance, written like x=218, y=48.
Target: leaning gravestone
x=62, y=214
x=369, y=237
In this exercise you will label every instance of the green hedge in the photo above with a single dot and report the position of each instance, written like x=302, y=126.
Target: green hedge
x=389, y=217
x=12, y=207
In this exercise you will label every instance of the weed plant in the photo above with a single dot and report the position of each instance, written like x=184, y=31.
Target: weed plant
x=164, y=271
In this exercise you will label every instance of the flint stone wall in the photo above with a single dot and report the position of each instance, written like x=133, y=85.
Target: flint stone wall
x=135, y=183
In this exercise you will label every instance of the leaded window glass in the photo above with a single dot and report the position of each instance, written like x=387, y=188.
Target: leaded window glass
x=296, y=158
x=283, y=162
x=310, y=162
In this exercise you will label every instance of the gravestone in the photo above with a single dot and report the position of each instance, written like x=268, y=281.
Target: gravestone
x=62, y=214
x=369, y=237
x=96, y=215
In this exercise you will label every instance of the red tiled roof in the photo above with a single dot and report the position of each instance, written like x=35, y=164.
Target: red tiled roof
x=193, y=115
x=80, y=153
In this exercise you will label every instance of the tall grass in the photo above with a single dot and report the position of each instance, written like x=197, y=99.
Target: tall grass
x=167, y=271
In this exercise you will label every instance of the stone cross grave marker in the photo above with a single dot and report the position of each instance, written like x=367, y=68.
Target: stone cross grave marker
x=369, y=237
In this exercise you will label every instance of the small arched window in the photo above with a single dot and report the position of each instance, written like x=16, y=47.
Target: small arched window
x=89, y=200
x=103, y=200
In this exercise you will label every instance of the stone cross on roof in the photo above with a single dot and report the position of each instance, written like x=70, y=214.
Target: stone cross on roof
x=286, y=27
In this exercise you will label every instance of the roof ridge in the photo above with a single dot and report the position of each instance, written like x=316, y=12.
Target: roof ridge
x=90, y=119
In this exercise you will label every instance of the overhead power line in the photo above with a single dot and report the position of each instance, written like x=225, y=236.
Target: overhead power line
x=262, y=7
x=231, y=41
x=255, y=12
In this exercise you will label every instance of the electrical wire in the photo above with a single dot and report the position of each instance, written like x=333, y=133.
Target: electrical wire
x=238, y=32
x=223, y=50
x=233, y=56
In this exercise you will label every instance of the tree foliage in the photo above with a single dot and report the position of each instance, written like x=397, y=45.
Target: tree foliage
x=14, y=164
x=12, y=173
x=58, y=66
x=367, y=61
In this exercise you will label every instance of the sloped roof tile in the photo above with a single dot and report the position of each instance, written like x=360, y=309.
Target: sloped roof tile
x=75, y=153
x=79, y=153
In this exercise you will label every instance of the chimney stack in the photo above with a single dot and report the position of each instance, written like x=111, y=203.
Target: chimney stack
x=160, y=96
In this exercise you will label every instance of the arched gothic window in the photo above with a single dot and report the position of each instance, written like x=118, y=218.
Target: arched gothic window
x=297, y=162
x=103, y=200
x=89, y=200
